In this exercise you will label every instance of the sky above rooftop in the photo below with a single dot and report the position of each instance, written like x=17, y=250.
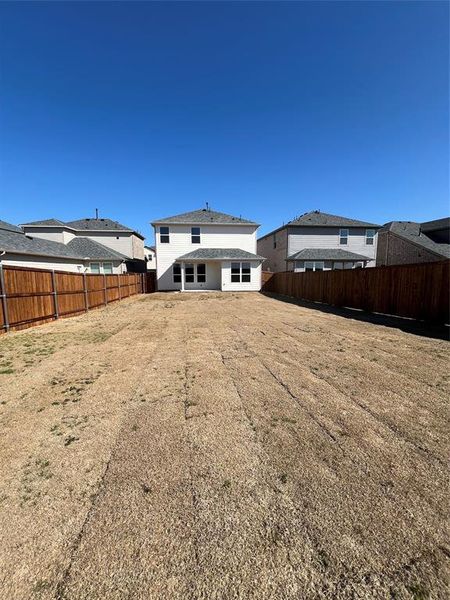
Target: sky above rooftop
x=265, y=110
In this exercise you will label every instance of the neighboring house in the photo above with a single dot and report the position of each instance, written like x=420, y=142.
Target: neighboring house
x=403, y=242
x=78, y=255
x=317, y=241
x=207, y=250
x=150, y=257
x=119, y=238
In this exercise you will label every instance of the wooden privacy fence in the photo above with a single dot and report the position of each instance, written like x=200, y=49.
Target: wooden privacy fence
x=33, y=296
x=418, y=291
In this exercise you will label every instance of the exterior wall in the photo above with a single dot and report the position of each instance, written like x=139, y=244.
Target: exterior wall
x=137, y=246
x=395, y=250
x=328, y=237
x=150, y=255
x=125, y=242
x=275, y=257
x=211, y=236
x=213, y=278
x=120, y=241
x=42, y=262
x=254, y=285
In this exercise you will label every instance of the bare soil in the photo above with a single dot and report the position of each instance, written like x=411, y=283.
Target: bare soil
x=222, y=446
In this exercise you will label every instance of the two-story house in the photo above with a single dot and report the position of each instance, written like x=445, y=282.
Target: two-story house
x=403, y=242
x=207, y=250
x=317, y=241
x=85, y=233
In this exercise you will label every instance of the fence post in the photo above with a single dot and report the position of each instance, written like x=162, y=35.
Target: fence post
x=55, y=294
x=105, y=290
x=118, y=285
x=4, y=299
x=86, y=299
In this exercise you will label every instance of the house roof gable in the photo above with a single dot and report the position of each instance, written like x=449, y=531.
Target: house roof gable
x=204, y=216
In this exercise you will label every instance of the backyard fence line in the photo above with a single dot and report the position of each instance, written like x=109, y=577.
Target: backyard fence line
x=34, y=296
x=417, y=291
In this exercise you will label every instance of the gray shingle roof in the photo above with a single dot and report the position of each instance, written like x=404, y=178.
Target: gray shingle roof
x=204, y=216
x=219, y=254
x=51, y=222
x=86, y=247
x=326, y=254
x=10, y=227
x=17, y=242
x=85, y=225
x=412, y=232
x=436, y=224
x=316, y=218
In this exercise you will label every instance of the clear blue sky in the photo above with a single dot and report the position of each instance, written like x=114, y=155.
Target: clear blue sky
x=262, y=109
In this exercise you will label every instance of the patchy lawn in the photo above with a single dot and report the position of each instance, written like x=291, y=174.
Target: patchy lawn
x=222, y=446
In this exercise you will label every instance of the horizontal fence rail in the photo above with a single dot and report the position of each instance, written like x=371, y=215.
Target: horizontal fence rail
x=34, y=296
x=418, y=291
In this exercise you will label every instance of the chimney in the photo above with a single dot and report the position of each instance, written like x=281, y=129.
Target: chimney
x=207, y=206
x=96, y=214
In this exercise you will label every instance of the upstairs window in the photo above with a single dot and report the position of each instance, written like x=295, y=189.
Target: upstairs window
x=370, y=236
x=343, y=237
x=164, y=236
x=240, y=272
x=195, y=235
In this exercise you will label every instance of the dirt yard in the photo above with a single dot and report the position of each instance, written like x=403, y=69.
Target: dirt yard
x=222, y=446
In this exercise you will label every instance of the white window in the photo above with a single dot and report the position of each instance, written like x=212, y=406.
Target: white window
x=195, y=235
x=201, y=273
x=189, y=273
x=164, y=236
x=240, y=272
x=343, y=237
x=370, y=235
x=338, y=265
x=107, y=268
x=298, y=265
x=176, y=271
x=95, y=268
x=314, y=265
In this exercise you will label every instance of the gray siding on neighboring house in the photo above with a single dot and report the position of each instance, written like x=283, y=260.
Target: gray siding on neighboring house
x=395, y=250
x=275, y=257
x=328, y=237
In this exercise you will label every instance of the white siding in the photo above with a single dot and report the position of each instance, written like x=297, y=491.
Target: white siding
x=120, y=241
x=50, y=262
x=212, y=236
x=328, y=237
x=254, y=285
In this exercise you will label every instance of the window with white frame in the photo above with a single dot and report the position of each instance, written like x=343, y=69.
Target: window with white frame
x=343, y=237
x=195, y=235
x=201, y=273
x=240, y=272
x=107, y=268
x=338, y=265
x=370, y=236
x=314, y=265
x=189, y=273
x=164, y=235
x=95, y=267
x=176, y=271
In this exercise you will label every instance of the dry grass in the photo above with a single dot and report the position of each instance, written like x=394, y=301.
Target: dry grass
x=222, y=447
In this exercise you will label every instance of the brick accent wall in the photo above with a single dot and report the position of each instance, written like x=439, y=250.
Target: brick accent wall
x=395, y=250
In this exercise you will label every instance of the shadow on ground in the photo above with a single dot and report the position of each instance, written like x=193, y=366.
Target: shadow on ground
x=430, y=330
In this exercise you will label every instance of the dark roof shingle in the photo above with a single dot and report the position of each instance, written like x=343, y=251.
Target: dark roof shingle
x=326, y=254
x=414, y=233
x=219, y=254
x=316, y=218
x=85, y=247
x=204, y=216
